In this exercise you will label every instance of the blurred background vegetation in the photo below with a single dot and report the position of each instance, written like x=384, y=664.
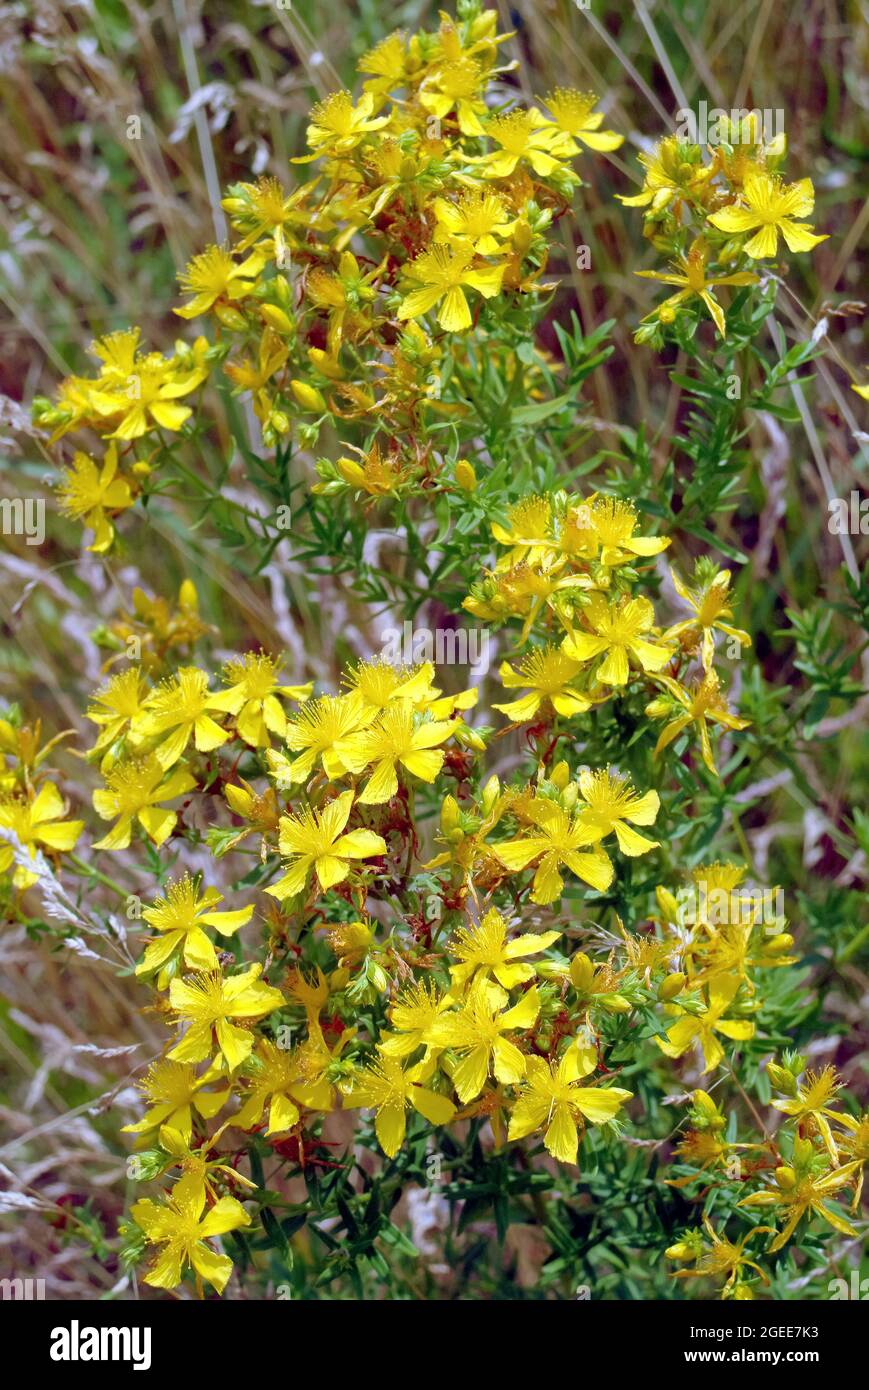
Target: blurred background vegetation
x=121, y=124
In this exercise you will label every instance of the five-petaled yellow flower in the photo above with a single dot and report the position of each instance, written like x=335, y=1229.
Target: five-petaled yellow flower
x=36, y=824
x=133, y=792
x=209, y=1002
x=559, y=841
x=554, y=1100
x=90, y=493
x=476, y=1032
x=548, y=674
x=180, y=1224
x=441, y=272
x=618, y=633
x=180, y=917
x=182, y=708
x=483, y=949
x=612, y=805
x=772, y=207
x=389, y=1089
x=396, y=737
x=689, y=275
x=702, y=1027
x=316, y=840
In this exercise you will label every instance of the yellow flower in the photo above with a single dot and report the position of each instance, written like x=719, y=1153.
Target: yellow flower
x=811, y=1103
x=690, y=276
x=711, y=604
x=208, y=1003
x=344, y=296
x=617, y=630
x=479, y=219
x=701, y=1028
x=597, y=984
x=181, y=707
x=476, y=1032
x=553, y=1098
x=337, y=126
x=549, y=673
x=396, y=737
x=317, y=1066
x=456, y=85
x=379, y=683
x=146, y=397
x=524, y=135
x=800, y=1192
x=321, y=729
x=611, y=802
x=350, y=942
x=133, y=792
x=442, y=271
x=722, y=1258
x=483, y=948
x=412, y=1017
x=389, y=1090
x=703, y=702
x=260, y=809
x=854, y=1144
x=37, y=823
x=573, y=114
x=116, y=705
x=315, y=840
x=254, y=681
x=385, y=63
x=265, y=209
x=270, y=1076
x=88, y=492
x=174, y=1091
x=213, y=275
x=609, y=532
x=772, y=206
x=199, y=1172
x=378, y=474
x=528, y=531
x=180, y=916
x=558, y=842
x=177, y=1222
x=674, y=173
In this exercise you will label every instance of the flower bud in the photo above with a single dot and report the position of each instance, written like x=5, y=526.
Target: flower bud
x=449, y=814
x=680, y=1251
x=491, y=792
x=551, y=969
x=231, y=318
x=581, y=972
x=672, y=985
x=560, y=775
x=308, y=397
x=277, y=318
x=779, y=945
x=667, y=904
x=465, y=475
x=615, y=1003
x=782, y=1079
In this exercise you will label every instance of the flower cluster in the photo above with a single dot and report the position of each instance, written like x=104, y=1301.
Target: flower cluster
x=807, y=1165
x=353, y=910
x=573, y=569
x=348, y=298
x=716, y=215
